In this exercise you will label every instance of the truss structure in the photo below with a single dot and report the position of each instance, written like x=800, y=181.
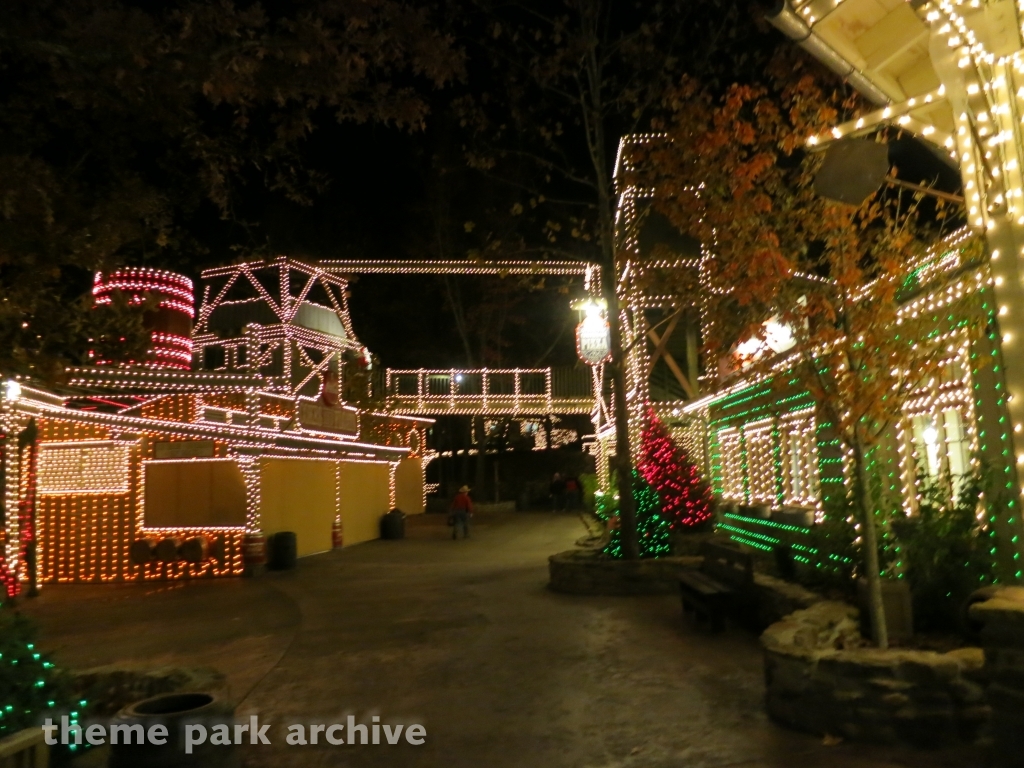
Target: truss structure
x=285, y=320
x=650, y=316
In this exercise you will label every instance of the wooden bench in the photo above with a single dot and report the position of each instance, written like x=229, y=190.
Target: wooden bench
x=725, y=575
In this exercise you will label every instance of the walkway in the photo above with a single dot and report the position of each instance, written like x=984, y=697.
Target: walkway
x=464, y=638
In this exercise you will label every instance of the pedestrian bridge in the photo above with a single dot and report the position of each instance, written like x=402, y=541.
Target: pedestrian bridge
x=490, y=391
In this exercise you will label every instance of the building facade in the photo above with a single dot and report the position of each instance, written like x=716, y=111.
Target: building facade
x=153, y=472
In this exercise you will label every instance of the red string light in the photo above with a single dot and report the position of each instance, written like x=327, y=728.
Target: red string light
x=686, y=500
x=174, y=293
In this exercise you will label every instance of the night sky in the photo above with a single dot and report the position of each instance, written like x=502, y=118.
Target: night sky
x=389, y=192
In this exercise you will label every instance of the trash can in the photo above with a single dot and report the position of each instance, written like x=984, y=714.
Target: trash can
x=283, y=552
x=392, y=525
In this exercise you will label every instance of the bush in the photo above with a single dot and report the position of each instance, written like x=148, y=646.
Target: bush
x=588, y=484
x=652, y=529
x=944, y=552
x=31, y=687
x=833, y=554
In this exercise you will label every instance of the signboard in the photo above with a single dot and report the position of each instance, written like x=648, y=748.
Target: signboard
x=593, y=340
x=324, y=419
x=183, y=449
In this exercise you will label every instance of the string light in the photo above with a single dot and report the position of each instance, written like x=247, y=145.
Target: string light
x=685, y=499
x=173, y=293
x=91, y=464
x=447, y=392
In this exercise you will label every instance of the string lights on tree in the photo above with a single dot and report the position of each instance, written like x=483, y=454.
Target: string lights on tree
x=31, y=687
x=686, y=500
x=652, y=527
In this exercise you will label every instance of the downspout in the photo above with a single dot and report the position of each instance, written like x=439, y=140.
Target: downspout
x=792, y=26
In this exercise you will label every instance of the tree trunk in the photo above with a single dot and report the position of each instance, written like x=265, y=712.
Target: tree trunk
x=623, y=459
x=879, y=630
x=593, y=115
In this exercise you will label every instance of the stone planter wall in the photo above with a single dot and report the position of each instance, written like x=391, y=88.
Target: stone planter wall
x=819, y=678
x=108, y=689
x=1002, y=635
x=777, y=598
x=587, y=572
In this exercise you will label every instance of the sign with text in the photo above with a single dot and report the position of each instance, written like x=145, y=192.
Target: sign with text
x=183, y=449
x=593, y=340
x=324, y=419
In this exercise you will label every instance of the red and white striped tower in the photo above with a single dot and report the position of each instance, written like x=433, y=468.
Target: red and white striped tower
x=170, y=323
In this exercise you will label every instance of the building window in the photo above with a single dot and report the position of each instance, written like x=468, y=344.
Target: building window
x=939, y=433
x=941, y=445
x=958, y=445
x=759, y=439
x=100, y=467
x=730, y=443
x=799, y=459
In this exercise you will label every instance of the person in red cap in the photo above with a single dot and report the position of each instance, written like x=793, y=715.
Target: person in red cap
x=462, y=508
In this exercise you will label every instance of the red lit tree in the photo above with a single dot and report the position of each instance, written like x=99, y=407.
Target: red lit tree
x=686, y=500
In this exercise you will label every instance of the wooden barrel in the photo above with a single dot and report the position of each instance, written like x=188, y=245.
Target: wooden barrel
x=141, y=551
x=337, y=534
x=166, y=550
x=254, y=550
x=194, y=550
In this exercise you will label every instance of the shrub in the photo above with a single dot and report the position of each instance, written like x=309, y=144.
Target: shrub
x=944, y=552
x=31, y=686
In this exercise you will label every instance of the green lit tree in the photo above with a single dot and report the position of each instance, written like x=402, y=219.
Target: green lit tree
x=651, y=527
x=31, y=686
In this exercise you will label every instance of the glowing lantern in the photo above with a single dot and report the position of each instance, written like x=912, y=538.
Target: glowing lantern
x=593, y=335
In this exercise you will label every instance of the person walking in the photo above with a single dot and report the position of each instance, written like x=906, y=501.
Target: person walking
x=572, y=493
x=462, y=508
x=557, y=491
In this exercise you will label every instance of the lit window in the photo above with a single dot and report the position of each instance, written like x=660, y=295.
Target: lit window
x=958, y=445
x=799, y=459
x=730, y=443
x=759, y=438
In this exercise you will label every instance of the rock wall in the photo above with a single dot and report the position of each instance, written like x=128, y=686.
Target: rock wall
x=1002, y=635
x=820, y=678
x=776, y=598
x=587, y=572
x=108, y=689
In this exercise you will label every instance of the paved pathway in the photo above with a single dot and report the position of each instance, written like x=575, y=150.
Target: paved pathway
x=464, y=638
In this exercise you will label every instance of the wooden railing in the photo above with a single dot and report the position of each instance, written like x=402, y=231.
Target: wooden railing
x=495, y=391
x=24, y=749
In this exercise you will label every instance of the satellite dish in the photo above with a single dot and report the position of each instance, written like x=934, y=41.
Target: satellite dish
x=853, y=169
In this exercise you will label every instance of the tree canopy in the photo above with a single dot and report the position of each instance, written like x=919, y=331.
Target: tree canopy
x=125, y=125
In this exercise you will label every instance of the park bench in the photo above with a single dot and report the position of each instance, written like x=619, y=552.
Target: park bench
x=726, y=575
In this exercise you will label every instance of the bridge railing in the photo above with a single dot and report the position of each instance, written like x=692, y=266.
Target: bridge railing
x=490, y=390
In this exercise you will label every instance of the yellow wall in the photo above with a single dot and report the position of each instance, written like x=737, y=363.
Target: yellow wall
x=409, y=486
x=298, y=495
x=364, y=499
